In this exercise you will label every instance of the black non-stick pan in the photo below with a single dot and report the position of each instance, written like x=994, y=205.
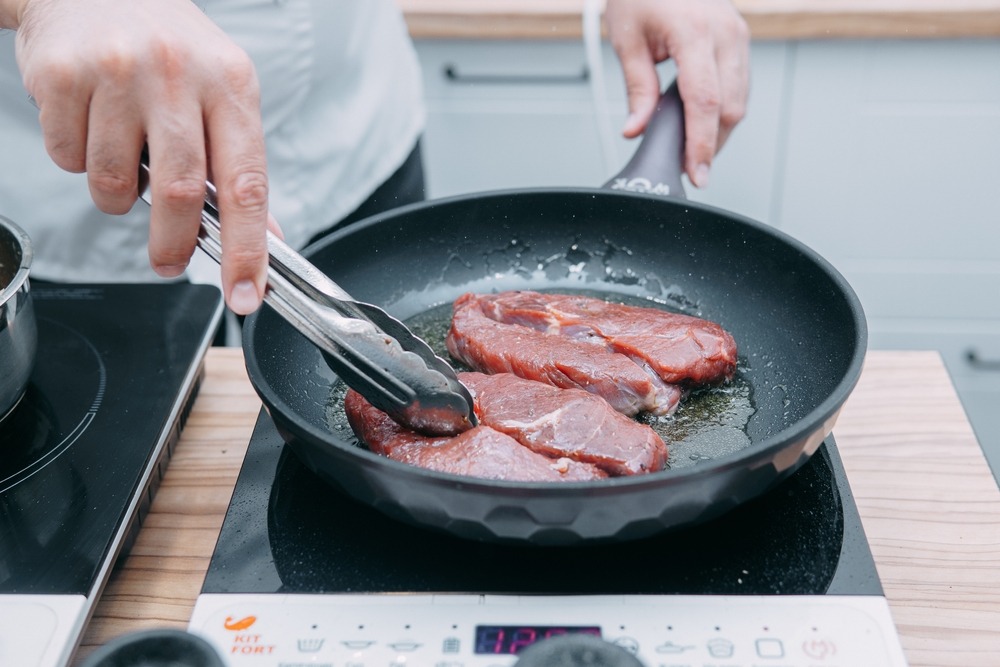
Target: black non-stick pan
x=799, y=326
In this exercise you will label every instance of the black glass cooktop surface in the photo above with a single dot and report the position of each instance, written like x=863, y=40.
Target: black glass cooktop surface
x=287, y=531
x=116, y=370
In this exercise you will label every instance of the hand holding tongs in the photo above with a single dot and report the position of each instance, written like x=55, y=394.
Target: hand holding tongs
x=372, y=352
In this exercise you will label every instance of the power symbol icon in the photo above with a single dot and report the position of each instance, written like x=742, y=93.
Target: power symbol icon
x=819, y=649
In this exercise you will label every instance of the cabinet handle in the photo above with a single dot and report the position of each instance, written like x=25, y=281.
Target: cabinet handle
x=452, y=74
x=979, y=363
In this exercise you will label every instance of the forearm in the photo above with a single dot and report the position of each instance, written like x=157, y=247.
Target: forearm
x=10, y=13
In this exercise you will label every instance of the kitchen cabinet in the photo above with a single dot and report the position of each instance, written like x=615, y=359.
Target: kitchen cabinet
x=513, y=113
x=891, y=170
x=501, y=115
x=881, y=154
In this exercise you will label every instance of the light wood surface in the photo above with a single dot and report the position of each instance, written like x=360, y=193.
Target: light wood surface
x=768, y=19
x=929, y=504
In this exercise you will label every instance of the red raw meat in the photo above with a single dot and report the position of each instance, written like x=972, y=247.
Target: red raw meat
x=495, y=347
x=529, y=431
x=635, y=358
x=565, y=423
x=681, y=349
x=478, y=452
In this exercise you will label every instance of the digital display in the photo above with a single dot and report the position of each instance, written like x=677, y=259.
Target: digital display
x=510, y=639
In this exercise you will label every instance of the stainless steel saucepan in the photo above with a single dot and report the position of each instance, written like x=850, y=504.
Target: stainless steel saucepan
x=18, y=329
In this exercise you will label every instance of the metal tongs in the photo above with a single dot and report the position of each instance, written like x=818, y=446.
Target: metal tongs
x=374, y=353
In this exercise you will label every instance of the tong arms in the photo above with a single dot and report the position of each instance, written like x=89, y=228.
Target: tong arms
x=372, y=352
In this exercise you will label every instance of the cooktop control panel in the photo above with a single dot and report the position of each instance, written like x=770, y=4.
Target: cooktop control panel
x=385, y=630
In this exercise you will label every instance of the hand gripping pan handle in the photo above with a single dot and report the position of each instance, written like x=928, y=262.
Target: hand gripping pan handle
x=374, y=354
x=657, y=164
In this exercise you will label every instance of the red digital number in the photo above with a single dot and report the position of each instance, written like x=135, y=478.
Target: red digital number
x=522, y=637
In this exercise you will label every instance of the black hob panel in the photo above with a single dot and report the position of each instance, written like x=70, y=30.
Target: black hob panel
x=116, y=370
x=287, y=531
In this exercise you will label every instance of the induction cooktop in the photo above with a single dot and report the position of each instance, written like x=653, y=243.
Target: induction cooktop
x=117, y=369
x=303, y=574
x=288, y=531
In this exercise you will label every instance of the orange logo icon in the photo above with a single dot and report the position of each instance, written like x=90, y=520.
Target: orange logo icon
x=241, y=624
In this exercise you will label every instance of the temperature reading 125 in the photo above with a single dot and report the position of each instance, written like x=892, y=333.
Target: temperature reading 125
x=496, y=639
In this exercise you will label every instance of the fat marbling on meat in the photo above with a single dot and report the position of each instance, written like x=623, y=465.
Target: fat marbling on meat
x=638, y=359
x=496, y=347
x=478, y=452
x=528, y=431
x=568, y=423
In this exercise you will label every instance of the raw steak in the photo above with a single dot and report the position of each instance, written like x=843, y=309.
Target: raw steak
x=494, y=347
x=528, y=431
x=606, y=348
x=681, y=349
x=568, y=423
x=478, y=452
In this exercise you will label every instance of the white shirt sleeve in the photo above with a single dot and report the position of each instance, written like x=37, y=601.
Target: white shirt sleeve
x=342, y=104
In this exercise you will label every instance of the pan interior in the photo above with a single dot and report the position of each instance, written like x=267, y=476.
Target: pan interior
x=798, y=326
x=710, y=423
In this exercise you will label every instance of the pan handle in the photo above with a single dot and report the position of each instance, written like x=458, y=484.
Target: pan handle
x=656, y=166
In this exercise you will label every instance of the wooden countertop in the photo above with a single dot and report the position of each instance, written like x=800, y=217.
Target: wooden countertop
x=930, y=508
x=768, y=19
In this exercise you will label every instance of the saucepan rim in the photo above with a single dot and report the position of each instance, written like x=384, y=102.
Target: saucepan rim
x=19, y=236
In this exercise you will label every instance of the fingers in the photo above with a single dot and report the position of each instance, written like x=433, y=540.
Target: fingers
x=111, y=76
x=178, y=169
x=63, y=112
x=713, y=77
x=698, y=84
x=239, y=171
x=114, y=141
x=709, y=42
x=733, y=58
x=219, y=133
x=642, y=83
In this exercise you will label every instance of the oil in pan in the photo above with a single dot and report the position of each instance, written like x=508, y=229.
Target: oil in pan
x=709, y=423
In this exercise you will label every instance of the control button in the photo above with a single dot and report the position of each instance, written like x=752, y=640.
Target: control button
x=451, y=645
x=628, y=643
x=357, y=644
x=25, y=632
x=819, y=649
x=405, y=645
x=720, y=648
x=311, y=645
x=770, y=647
x=670, y=647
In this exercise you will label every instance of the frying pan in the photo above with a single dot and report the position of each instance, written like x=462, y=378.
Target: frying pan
x=18, y=328
x=799, y=326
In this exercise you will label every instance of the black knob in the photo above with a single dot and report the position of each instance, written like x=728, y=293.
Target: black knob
x=155, y=648
x=576, y=650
